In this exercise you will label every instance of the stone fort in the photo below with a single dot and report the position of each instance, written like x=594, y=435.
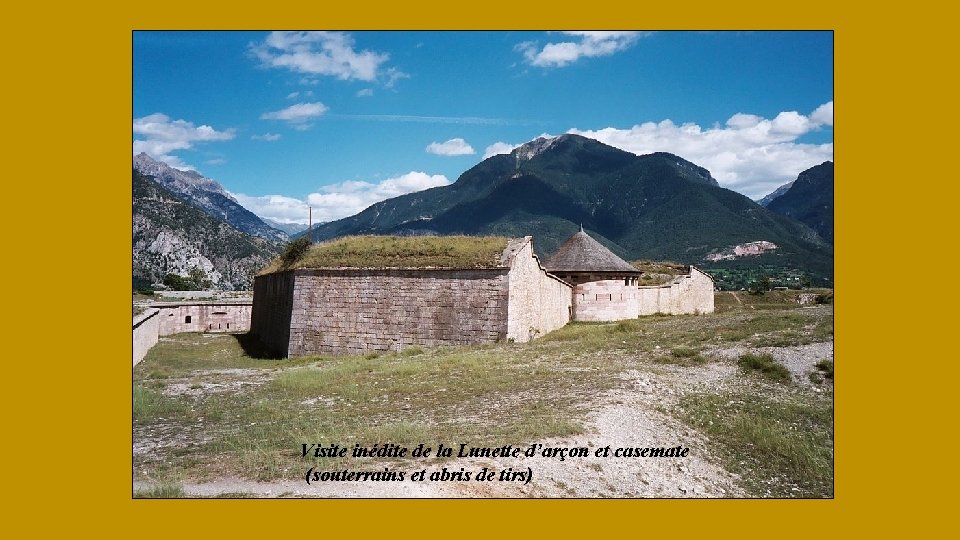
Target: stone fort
x=348, y=308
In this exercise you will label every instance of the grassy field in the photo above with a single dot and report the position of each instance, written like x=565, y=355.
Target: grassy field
x=203, y=409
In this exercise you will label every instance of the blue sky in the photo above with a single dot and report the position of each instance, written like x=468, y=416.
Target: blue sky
x=340, y=120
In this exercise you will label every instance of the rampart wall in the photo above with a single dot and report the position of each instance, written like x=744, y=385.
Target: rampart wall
x=356, y=311
x=538, y=302
x=687, y=294
x=272, y=306
x=146, y=333
x=204, y=317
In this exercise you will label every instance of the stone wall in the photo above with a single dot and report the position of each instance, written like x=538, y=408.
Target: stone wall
x=693, y=295
x=272, y=306
x=204, y=317
x=606, y=300
x=146, y=333
x=538, y=302
x=356, y=311
x=687, y=294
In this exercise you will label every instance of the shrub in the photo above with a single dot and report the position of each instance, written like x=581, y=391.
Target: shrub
x=682, y=356
x=765, y=365
x=295, y=249
x=826, y=366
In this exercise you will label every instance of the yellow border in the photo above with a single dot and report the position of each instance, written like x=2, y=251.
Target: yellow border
x=67, y=456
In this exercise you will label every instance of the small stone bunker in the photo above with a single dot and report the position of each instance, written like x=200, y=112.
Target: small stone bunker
x=606, y=287
x=360, y=294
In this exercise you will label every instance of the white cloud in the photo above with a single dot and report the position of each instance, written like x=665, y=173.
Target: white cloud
x=590, y=44
x=276, y=207
x=319, y=53
x=161, y=135
x=347, y=198
x=749, y=154
x=366, y=92
x=215, y=161
x=293, y=95
x=498, y=148
x=453, y=147
x=824, y=114
x=269, y=137
x=337, y=200
x=297, y=115
x=393, y=76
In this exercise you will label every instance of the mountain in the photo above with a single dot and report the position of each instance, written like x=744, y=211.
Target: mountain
x=765, y=201
x=170, y=235
x=291, y=229
x=810, y=200
x=655, y=206
x=207, y=195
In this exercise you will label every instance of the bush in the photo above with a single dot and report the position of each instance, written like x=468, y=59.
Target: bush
x=765, y=365
x=682, y=356
x=295, y=249
x=177, y=283
x=826, y=366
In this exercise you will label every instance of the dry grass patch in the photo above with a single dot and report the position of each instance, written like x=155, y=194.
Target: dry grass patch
x=461, y=252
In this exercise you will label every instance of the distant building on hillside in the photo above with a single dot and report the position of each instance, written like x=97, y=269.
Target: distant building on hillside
x=341, y=306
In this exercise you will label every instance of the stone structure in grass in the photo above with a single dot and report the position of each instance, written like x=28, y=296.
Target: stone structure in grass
x=354, y=295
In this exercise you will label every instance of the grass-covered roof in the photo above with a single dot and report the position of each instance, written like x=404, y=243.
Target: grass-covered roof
x=376, y=252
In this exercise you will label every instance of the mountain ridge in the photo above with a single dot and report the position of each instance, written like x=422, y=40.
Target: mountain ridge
x=655, y=206
x=207, y=195
x=810, y=200
x=171, y=235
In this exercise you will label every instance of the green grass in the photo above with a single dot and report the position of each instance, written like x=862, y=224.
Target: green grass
x=682, y=356
x=780, y=447
x=476, y=395
x=162, y=491
x=765, y=365
x=462, y=252
x=481, y=395
x=150, y=404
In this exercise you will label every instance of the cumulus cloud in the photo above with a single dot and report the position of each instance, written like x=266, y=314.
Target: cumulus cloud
x=299, y=115
x=749, y=154
x=160, y=136
x=337, y=200
x=269, y=137
x=823, y=115
x=347, y=198
x=276, y=207
x=498, y=148
x=453, y=147
x=588, y=44
x=319, y=53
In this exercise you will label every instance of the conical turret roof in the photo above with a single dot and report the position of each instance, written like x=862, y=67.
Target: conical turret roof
x=581, y=253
